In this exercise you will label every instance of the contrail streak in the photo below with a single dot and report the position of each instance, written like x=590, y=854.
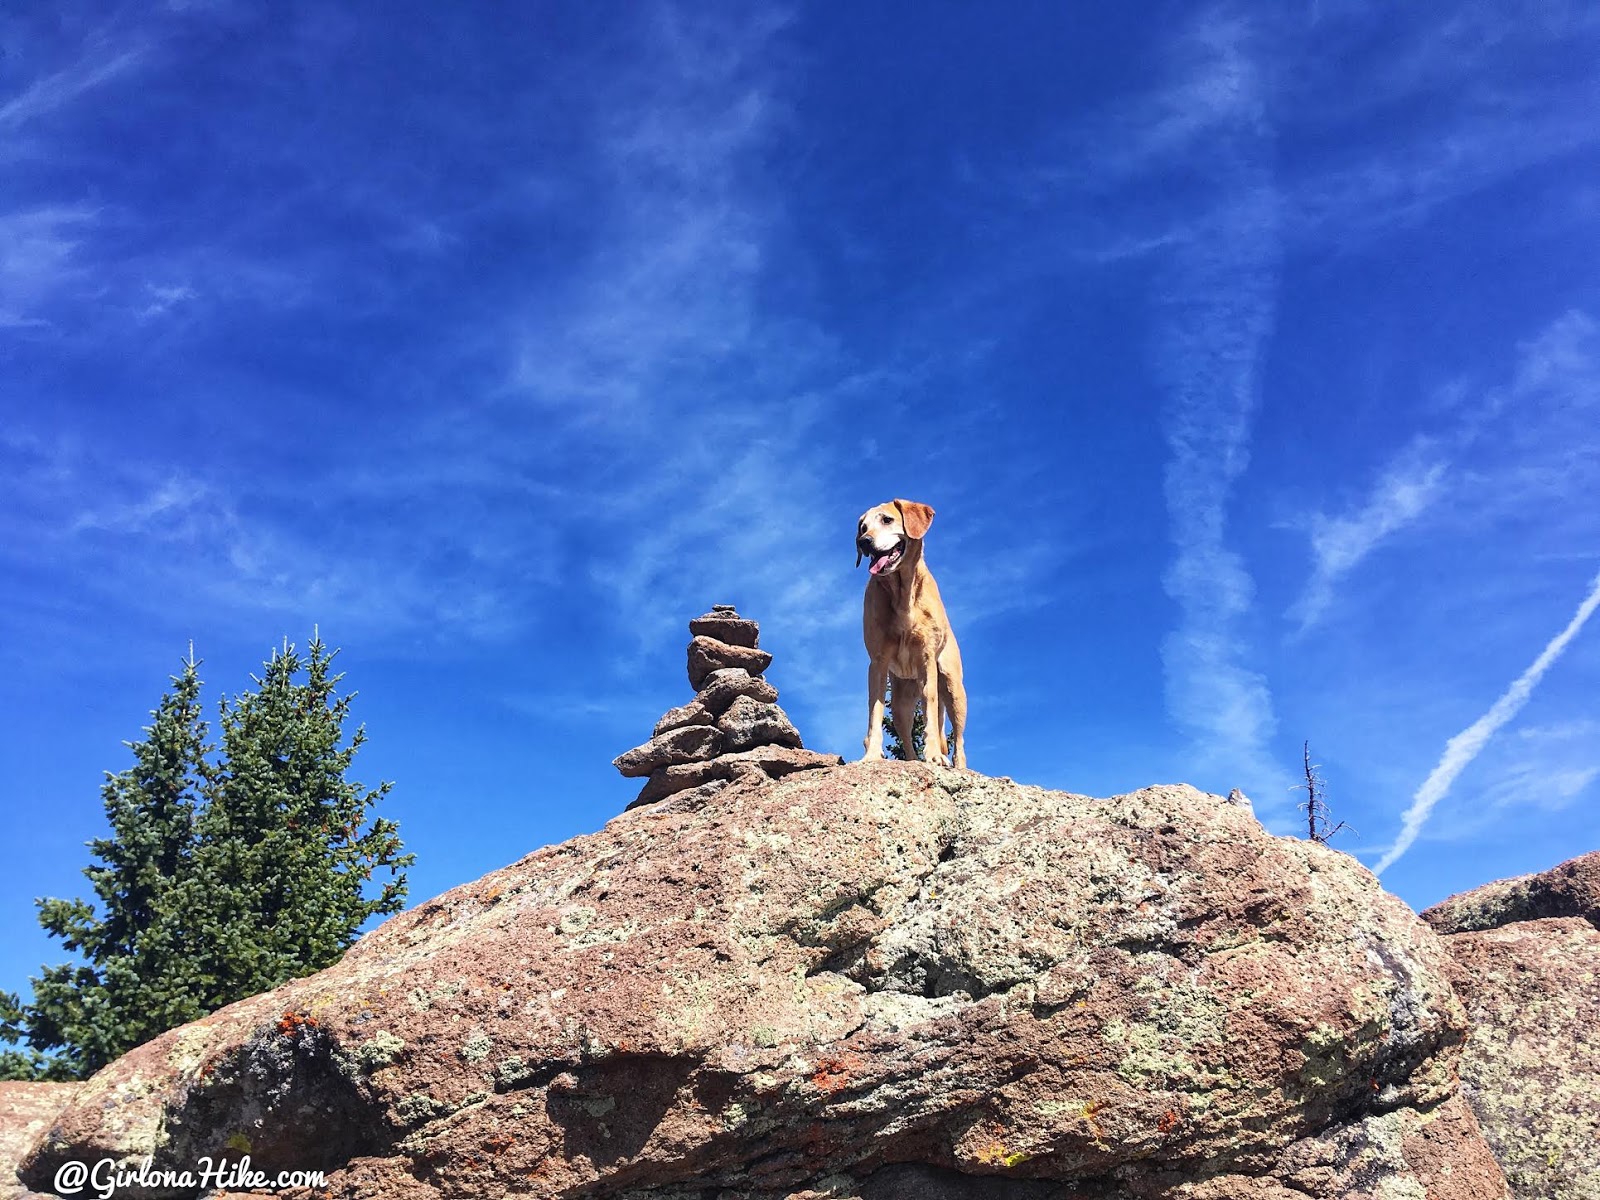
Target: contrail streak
x=1460, y=750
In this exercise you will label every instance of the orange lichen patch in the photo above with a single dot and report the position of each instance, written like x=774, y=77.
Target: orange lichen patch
x=992, y=1151
x=996, y=1155
x=834, y=1071
x=1168, y=1122
x=1090, y=1112
x=291, y=1021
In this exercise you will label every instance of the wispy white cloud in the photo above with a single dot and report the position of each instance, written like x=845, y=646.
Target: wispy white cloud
x=696, y=418
x=164, y=298
x=1509, y=454
x=645, y=381
x=1216, y=306
x=174, y=542
x=40, y=238
x=172, y=507
x=1205, y=132
x=669, y=285
x=1339, y=544
x=1474, y=114
x=100, y=64
x=1473, y=118
x=1522, y=777
x=1521, y=451
x=1460, y=750
x=38, y=249
x=1408, y=182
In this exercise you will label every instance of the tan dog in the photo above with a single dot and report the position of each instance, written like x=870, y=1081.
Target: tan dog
x=908, y=636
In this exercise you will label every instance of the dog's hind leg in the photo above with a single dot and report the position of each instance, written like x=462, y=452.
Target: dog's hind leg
x=932, y=734
x=954, y=701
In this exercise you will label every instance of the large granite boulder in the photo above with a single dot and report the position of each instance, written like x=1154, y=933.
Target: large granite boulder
x=875, y=980
x=1571, y=889
x=26, y=1111
x=1528, y=951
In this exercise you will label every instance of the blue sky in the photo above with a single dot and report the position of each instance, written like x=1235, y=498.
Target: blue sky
x=1250, y=357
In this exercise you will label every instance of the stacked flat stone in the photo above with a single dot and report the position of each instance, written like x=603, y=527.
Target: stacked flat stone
x=732, y=731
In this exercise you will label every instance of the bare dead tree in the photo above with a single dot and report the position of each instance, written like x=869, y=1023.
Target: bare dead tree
x=1316, y=806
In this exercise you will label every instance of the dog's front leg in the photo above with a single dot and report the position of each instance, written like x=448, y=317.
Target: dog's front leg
x=877, y=681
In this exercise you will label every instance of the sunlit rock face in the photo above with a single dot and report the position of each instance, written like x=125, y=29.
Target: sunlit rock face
x=1528, y=951
x=876, y=980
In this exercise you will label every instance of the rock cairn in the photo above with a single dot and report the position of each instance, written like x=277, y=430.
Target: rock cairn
x=732, y=731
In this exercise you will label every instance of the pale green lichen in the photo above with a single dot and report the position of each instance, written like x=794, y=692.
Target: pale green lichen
x=575, y=920
x=1144, y=1060
x=1326, y=1056
x=476, y=1048
x=422, y=999
x=381, y=1049
x=512, y=1071
x=1180, y=1042
x=418, y=1106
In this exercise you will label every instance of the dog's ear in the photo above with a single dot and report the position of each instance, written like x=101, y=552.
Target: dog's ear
x=915, y=517
x=858, y=557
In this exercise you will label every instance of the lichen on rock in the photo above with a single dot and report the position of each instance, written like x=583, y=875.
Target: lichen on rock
x=1527, y=954
x=871, y=980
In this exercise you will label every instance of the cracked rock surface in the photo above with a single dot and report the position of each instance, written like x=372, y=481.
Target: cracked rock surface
x=875, y=980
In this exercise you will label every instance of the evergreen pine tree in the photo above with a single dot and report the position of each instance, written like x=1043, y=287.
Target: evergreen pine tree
x=135, y=979
x=220, y=879
x=281, y=858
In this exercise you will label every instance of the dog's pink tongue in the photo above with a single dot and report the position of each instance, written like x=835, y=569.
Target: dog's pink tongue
x=878, y=564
